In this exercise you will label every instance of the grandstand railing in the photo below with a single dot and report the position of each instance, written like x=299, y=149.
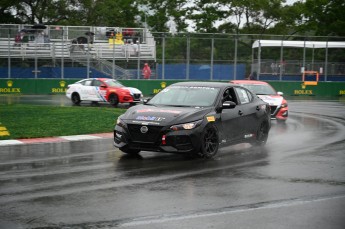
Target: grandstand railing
x=65, y=49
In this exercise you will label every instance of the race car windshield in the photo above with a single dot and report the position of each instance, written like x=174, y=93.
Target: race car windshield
x=260, y=89
x=113, y=83
x=181, y=96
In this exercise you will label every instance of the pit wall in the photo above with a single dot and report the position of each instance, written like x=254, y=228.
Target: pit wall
x=151, y=87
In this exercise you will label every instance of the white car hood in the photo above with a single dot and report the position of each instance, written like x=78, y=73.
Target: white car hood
x=133, y=90
x=272, y=100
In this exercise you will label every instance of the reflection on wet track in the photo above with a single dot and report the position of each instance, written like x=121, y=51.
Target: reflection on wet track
x=295, y=181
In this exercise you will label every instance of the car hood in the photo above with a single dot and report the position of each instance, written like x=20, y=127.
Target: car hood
x=163, y=115
x=272, y=100
x=133, y=90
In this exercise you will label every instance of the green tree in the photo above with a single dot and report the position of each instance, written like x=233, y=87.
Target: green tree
x=157, y=13
x=45, y=11
x=120, y=13
x=291, y=20
x=238, y=16
x=325, y=17
x=6, y=11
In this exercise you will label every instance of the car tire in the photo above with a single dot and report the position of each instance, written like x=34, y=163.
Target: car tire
x=262, y=134
x=113, y=100
x=75, y=99
x=209, y=142
x=130, y=151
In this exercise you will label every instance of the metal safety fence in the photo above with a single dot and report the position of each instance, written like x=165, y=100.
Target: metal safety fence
x=55, y=51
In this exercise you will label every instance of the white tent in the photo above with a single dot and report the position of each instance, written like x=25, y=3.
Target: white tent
x=299, y=44
x=259, y=44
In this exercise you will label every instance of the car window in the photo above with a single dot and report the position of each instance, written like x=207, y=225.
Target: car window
x=186, y=96
x=229, y=95
x=242, y=95
x=250, y=95
x=113, y=83
x=86, y=82
x=260, y=89
x=82, y=82
x=97, y=83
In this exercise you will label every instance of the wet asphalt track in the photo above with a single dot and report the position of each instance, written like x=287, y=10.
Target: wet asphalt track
x=296, y=181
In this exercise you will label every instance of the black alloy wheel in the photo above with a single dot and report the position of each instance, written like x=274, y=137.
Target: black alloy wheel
x=210, y=142
x=113, y=100
x=75, y=99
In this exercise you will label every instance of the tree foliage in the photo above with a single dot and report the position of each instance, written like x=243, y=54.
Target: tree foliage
x=312, y=17
x=325, y=17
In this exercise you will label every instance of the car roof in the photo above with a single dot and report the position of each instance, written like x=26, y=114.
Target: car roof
x=248, y=82
x=203, y=84
x=102, y=79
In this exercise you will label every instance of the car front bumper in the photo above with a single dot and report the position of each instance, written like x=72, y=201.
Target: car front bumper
x=280, y=113
x=161, y=139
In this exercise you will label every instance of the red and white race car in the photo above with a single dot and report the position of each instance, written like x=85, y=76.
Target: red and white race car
x=102, y=90
x=279, y=106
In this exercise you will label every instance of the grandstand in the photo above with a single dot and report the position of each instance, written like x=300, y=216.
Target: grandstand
x=102, y=50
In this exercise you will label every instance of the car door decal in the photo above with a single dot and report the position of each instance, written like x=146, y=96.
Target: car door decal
x=101, y=94
x=210, y=119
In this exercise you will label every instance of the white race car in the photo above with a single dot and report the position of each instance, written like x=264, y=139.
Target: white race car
x=102, y=90
x=278, y=104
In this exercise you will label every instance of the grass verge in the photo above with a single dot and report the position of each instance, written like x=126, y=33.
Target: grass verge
x=34, y=121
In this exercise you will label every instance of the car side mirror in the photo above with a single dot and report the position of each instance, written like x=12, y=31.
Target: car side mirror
x=228, y=105
x=280, y=93
x=103, y=86
x=146, y=100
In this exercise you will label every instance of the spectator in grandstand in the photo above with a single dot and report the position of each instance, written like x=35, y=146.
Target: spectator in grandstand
x=128, y=35
x=133, y=49
x=282, y=66
x=39, y=37
x=146, y=72
x=90, y=37
x=274, y=68
x=118, y=39
x=18, y=39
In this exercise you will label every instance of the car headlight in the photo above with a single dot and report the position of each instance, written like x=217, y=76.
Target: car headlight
x=186, y=126
x=119, y=122
x=284, y=104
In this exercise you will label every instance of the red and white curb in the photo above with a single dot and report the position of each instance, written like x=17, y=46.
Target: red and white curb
x=56, y=139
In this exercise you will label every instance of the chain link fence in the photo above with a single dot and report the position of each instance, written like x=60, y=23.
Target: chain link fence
x=84, y=52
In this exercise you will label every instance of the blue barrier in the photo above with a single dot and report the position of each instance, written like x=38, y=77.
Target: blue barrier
x=200, y=71
x=172, y=72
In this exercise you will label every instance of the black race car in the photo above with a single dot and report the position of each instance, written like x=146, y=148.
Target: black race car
x=194, y=118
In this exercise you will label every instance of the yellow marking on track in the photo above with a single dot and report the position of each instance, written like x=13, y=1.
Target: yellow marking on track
x=4, y=131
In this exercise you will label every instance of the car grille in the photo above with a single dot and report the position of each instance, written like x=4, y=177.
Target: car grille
x=136, y=96
x=180, y=142
x=273, y=110
x=151, y=136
